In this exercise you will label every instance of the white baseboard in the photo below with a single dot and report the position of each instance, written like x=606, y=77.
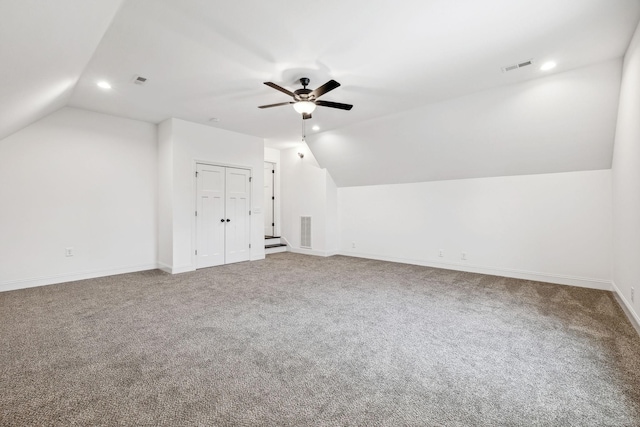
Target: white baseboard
x=583, y=282
x=181, y=269
x=634, y=318
x=312, y=252
x=188, y=268
x=72, y=277
x=175, y=270
x=308, y=251
x=164, y=267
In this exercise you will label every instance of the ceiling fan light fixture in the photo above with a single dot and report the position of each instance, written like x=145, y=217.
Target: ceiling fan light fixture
x=304, y=107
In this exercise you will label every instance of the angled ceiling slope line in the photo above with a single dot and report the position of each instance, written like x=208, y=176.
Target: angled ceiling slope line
x=45, y=47
x=561, y=123
x=201, y=63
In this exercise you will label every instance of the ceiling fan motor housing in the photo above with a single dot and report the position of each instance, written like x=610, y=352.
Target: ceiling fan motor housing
x=302, y=94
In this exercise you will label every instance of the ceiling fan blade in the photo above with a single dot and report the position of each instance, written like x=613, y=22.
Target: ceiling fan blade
x=334, y=105
x=306, y=116
x=280, y=88
x=276, y=105
x=328, y=86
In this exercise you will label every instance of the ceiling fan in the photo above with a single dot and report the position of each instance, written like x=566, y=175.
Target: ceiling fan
x=305, y=100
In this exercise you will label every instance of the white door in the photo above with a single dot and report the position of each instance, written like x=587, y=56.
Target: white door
x=238, y=220
x=269, y=222
x=210, y=219
x=223, y=224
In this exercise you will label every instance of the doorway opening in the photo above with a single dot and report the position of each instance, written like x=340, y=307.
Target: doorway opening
x=269, y=200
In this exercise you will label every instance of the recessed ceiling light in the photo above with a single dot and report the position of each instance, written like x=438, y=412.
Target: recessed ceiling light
x=548, y=66
x=315, y=127
x=104, y=85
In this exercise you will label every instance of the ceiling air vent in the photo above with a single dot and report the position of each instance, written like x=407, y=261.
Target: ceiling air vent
x=516, y=66
x=139, y=80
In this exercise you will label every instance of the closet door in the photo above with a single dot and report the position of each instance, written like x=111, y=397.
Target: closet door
x=238, y=220
x=211, y=217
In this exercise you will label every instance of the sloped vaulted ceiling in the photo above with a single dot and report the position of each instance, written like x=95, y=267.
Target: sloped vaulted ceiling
x=560, y=123
x=397, y=62
x=44, y=48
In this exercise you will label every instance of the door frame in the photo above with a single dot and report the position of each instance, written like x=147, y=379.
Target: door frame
x=194, y=203
x=277, y=230
x=276, y=198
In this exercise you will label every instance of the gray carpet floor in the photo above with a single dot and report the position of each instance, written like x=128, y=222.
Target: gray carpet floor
x=296, y=340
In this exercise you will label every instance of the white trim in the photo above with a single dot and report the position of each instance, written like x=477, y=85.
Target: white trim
x=182, y=269
x=164, y=267
x=312, y=252
x=175, y=270
x=276, y=195
x=627, y=307
x=583, y=282
x=277, y=218
x=71, y=277
x=307, y=251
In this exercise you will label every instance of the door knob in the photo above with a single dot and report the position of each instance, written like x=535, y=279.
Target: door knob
x=228, y=220
x=222, y=220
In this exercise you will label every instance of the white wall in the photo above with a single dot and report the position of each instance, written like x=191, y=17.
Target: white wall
x=332, y=239
x=551, y=227
x=165, y=195
x=307, y=190
x=558, y=123
x=626, y=182
x=193, y=142
x=77, y=179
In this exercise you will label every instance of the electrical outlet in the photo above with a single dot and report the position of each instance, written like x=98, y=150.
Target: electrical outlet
x=633, y=295
x=68, y=251
x=441, y=253
x=463, y=256
x=353, y=245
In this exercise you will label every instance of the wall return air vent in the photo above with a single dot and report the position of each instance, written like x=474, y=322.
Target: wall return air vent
x=516, y=66
x=305, y=232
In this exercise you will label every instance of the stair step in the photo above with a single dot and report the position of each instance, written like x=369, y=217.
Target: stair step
x=274, y=246
x=274, y=249
x=272, y=240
